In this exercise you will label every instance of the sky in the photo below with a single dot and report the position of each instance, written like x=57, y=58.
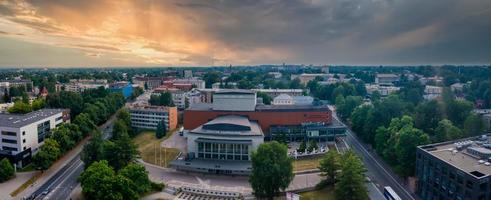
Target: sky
x=91, y=33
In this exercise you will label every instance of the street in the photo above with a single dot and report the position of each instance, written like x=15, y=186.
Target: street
x=61, y=184
x=377, y=171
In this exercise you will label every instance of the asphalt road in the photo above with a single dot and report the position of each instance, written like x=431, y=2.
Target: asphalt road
x=377, y=171
x=60, y=185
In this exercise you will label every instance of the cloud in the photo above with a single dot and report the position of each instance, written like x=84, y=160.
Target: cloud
x=223, y=32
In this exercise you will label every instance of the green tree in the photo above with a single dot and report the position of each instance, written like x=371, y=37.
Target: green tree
x=7, y=170
x=165, y=99
x=272, y=170
x=457, y=111
x=446, y=131
x=38, y=104
x=475, y=125
x=382, y=136
x=409, y=138
x=62, y=137
x=427, y=115
x=93, y=151
x=85, y=123
x=99, y=181
x=347, y=105
x=161, y=130
x=266, y=98
x=20, y=108
x=47, y=154
x=120, y=152
x=312, y=145
x=302, y=147
x=139, y=177
x=351, y=180
x=329, y=165
x=119, y=129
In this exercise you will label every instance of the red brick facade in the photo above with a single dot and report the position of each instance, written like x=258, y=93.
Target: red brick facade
x=195, y=118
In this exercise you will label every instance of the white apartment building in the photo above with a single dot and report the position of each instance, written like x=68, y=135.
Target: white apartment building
x=432, y=92
x=22, y=134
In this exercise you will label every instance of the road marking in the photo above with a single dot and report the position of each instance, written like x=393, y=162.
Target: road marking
x=376, y=162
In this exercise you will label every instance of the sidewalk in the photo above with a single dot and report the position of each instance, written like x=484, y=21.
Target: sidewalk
x=47, y=174
x=7, y=187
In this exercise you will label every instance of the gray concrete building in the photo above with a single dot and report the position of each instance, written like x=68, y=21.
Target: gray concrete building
x=455, y=170
x=234, y=100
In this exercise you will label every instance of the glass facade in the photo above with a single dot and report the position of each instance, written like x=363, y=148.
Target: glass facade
x=221, y=151
x=43, y=130
x=305, y=131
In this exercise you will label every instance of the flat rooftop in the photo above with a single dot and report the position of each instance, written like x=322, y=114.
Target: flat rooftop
x=229, y=125
x=266, y=108
x=20, y=120
x=470, y=155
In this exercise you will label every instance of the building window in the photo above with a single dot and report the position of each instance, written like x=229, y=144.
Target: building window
x=9, y=141
x=9, y=148
x=23, y=133
x=23, y=140
x=8, y=133
x=43, y=130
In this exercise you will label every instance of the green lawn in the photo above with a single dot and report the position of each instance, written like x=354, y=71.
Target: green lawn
x=324, y=194
x=306, y=164
x=151, y=151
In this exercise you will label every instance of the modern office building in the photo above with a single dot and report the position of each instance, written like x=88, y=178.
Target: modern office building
x=455, y=170
x=22, y=134
x=222, y=146
x=148, y=117
x=274, y=120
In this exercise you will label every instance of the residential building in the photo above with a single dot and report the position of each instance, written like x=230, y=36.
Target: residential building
x=276, y=92
x=149, y=82
x=485, y=113
x=222, y=146
x=80, y=85
x=178, y=95
x=23, y=134
x=386, y=79
x=383, y=90
x=275, y=75
x=434, y=80
x=148, y=117
x=198, y=83
x=224, y=85
x=306, y=78
x=458, y=169
x=432, y=92
x=457, y=87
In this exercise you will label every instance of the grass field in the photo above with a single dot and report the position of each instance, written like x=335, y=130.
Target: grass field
x=306, y=164
x=151, y=151
x=324, y=194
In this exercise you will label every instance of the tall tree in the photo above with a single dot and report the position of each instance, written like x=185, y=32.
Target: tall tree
x=94, y=150
x=329, y=165
x=139, y=177
x=272, y=170
x=475, y=125
x=7, y=170
x=351, y=184
x=120, y=152
x=47, y=154
x=446, y=131
x=161, y=130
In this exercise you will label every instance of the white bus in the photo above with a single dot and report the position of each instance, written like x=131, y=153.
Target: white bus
x=389, y=194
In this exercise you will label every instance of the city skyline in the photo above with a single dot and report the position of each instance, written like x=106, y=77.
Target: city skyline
x=207, y=33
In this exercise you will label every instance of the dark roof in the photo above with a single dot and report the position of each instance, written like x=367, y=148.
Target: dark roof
x=229, y=125
x=234, y=91
x=20, y=120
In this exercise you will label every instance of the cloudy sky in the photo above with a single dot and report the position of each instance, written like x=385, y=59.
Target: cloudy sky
x=64, y=33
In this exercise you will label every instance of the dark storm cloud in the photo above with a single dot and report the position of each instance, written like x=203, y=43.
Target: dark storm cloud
x=301, y=31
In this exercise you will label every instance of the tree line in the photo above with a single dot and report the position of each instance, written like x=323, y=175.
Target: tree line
x=66, y=136
x=111, y=165
x=395, y=125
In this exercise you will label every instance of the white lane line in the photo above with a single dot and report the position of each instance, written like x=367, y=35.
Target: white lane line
x=376, y=162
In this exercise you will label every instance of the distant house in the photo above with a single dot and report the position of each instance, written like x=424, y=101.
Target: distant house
x=432, y=92
x=388, y=79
